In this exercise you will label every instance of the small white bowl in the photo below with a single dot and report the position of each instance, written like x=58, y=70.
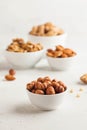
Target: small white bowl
x=47, y=102
x=23, y=60
x=61, y=63
x=49, y=41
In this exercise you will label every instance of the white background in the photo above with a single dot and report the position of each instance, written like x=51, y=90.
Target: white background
x=16, y=15
x=16, y=113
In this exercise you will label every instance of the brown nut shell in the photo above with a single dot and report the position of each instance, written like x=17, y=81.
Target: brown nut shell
x=39, y=92
x=12, y=72
x=50, y=90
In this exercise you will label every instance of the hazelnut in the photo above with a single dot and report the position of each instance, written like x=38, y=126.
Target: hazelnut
x=60, y=89
x=47, y=78
x=40, y=80
x=12, y=72
x=55, y=84
x=33, y=91
x=39, y=92
x=30, y=86
x=61, y=83
x=39, y=85
x=46, y=86
x=50, y=90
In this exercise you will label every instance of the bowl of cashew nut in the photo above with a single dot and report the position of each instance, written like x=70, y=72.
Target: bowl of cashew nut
x=23, y=55
x=46, y=93
x=48, y=34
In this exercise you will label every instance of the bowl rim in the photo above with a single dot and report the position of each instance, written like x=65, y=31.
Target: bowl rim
x=48, y=36
x=21, y=53
x=47, y=95
x=55, y=58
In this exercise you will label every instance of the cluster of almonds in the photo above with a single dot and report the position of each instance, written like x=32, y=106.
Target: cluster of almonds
x=46, y=86
x=60, y=52
x=10, y=76
x=18, y=45
x=47, y=29
x=83, y=78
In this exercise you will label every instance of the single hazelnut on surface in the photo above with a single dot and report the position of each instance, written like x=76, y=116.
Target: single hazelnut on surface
x=12, y=72
x=83, y=78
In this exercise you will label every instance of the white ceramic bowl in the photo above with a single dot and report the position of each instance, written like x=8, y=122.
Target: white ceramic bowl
x=23, y=60
x=46, y=102
x=61, y=63
x=49, y=41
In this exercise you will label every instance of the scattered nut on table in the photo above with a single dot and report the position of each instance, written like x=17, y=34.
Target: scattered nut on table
x=81, y=89
x=11, y=75
x=71, y=90
x=12, y=72
x=83, y=78
x=46, y=86
x=78, y=95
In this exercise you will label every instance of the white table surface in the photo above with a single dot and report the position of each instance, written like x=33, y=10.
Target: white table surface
x=16, y=112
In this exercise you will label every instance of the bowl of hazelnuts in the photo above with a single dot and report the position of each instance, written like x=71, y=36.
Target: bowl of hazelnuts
x=48, y=34
x=23, y=55
x=46, y=93
x=61, y=58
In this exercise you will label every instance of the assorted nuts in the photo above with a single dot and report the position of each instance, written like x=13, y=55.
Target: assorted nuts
x=10, y=76
x=46, y=86
x=60, y=52
x=83, y=78
x=47, y=29
x=18, y=45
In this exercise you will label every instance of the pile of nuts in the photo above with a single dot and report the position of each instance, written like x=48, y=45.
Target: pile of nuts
x=18, y=45
x=60, y=52
x=47, y=29
x=46, y=86
x=83, y=78
x=10, y=76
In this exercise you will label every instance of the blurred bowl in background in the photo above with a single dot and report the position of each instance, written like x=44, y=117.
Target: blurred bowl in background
x=49, y=41
x=23, y=60
x=61, y=63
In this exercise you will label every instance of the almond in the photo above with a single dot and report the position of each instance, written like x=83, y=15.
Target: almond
x=9, y=77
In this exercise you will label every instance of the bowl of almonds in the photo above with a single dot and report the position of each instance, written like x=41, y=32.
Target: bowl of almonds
x=46, y=93
x=61, y=58
x=48, y=34
x=22, y=55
